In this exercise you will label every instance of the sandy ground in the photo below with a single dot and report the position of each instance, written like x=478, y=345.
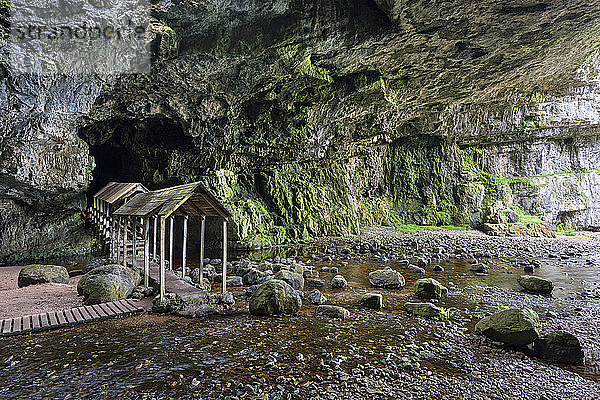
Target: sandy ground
x=34, y=299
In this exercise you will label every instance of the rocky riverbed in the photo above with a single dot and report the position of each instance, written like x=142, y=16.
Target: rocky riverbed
x=370, y=354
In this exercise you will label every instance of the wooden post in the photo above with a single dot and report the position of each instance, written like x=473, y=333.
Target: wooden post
x=118, y=243
x=146, y=252
x=154, y=242
x=224, y=255
x=125, y=223
x=202, y=230
x=112, y=240
x=171, y=219
x=162, y=259
x=134, y=252
x=184, y=251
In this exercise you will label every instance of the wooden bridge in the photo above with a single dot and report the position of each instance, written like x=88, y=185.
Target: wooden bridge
x=132, y=222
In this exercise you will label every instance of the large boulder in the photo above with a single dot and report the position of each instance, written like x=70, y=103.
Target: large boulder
x=295, y=280
x=386, y=278
x=515, y=326
x=429, y=288
x=36, y=274
x=108, y=283
x=371, y=300
x=425, y=310
x=534, y=284
x=275, y=297
x=253, y=276
x=326, y=311
x=560, y=347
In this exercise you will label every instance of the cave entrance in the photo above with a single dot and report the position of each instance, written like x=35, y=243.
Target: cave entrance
x=128, y=150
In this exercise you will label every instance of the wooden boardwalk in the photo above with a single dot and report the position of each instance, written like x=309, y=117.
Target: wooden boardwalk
x=73, y=316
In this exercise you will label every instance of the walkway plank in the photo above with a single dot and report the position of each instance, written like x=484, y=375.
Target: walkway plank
x=78, y=317
x=26, y=323
x=60, y=316
x=100, y=311
x=6, y=326
x=52, y=318
x=84, y=314
x=108, y=309
x=92, y=311
x=69, y=317
x=45, y=322
x=119, y=306
x=16, y=325
x=35, y=322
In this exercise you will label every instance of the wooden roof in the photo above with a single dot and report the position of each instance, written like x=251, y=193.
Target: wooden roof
x=191, y=199
x=114, y=191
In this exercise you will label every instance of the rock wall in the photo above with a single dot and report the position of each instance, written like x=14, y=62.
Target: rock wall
x=310, y=118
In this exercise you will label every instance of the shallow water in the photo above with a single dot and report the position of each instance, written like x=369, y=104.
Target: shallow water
x=163, y=356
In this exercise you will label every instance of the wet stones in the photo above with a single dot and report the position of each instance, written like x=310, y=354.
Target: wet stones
x=275, y=297
x=234, y=281
x=295, y=280
x=429, y=288
x=515, y=326
x=425, y=310
x=560, y=347
x=326, y=311
x=253, y=276
x=480, y=268
x=534, y=284
x=371, y=300
x=316, y=297
x=386, y=278
x=38, y=274
x=316, y=283
x=339, y=282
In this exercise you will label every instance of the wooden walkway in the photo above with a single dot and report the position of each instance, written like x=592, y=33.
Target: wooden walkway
x=73, y=316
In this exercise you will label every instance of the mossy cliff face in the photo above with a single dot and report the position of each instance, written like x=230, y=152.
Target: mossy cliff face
x=313, y=117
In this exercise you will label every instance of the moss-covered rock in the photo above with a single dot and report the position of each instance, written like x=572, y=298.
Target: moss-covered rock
x=560, y=347
x=275, y=297
x=515, y=326
x=371, y=300
x=36, y=274
x=534, y=284
x=425, y=310
x=429, y=288
x=108, y=283
x=327, y=311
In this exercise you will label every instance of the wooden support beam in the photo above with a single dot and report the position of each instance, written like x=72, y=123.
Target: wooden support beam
x=154, y=240
x=162, y=259
x=118, y=241
x=125, y=224
x=112, y=241
x=224, y=287
x=202, y=231
x=184, y=250
x=146, y=252
x=171, y=220
x=134, y=251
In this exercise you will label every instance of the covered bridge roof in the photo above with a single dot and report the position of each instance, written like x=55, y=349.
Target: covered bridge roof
x=114, y=191
x=190, y=199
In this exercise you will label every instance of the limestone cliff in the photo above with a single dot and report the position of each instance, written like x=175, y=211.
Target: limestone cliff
x=313, y=117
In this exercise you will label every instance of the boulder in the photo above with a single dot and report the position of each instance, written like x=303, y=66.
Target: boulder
x=234, y=281
x=515, y=326
x=386, y=278
x=339, y=282
x=95, y=263
x=316, y=297
x=534, y=284
x=326, y=311
x=295, y=280
x=425, y=310
x=371, y=300
x=429, y=288
x=36, y=274
x=275, y=297
x=108, y=283
x=253, y=276
x=559, y=347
